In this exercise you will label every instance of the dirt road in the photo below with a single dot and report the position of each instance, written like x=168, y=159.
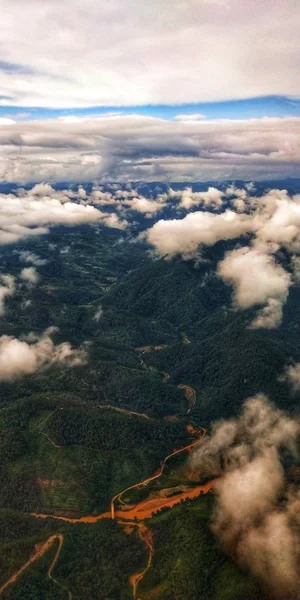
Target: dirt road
x=157, y=474
x=146, y=536
x=39, y=552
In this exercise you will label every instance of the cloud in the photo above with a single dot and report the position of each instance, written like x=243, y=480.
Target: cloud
x=257, y=279
x=270, y=222
x=128, y=199
x=253, y=520
x=185, y=236
x=19, y=357
x=7, y=288
x=32, y=212
x=145, y=206
x=142, y=148
x=292, y=376
x=270, y=316
x=212, y=198
x=29, y=275
x=98, y=314
x=31, y=258
x=189, y=117
x=91, y=57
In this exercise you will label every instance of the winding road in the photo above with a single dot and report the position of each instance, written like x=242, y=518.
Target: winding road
x=39, y=552
x=143, y=510
x=133, y=516
x=146, y=537
x=155, y=475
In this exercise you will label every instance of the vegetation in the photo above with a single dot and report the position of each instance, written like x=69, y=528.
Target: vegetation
x=63, y=454
x=96, y=561
x=188, y=564
x=147, y=326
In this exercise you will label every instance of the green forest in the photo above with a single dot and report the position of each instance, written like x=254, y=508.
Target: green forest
x=73, y=438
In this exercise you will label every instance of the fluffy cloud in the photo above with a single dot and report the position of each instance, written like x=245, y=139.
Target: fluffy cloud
x=271, y=315
x=270, y=222
x=140, y=148
x=90, y=58
x=252, y=521
x=145, y=206
x=29, y=275
x=19, y=357
x=189, y=117
x=210, y=199
x=185, y=236
x=257, y=279
x=292, y=375
x=127, y=199
x=31, y=258
x=33, y=212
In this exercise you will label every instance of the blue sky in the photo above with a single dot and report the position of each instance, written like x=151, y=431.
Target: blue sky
x=247, y=108
x=220, y=80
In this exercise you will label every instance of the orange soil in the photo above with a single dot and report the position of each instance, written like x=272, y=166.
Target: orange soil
x=39, y=552
x=144, y=510
x=140, y=512
x=156, y=474
x=146, y=536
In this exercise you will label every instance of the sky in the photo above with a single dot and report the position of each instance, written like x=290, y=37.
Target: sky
x=159, y=90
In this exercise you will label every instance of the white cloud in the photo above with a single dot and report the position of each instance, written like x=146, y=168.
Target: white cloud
x=130, y=199
x=143, y=205
x=258, y=530
x=271, y=222
x=136, y=148
x=271, y=315
x=128, y=53
x=184, y=236
x=210, y=199
x=189, y=117
x=292, y=376
x=255, y=275
x=5, y=121
x=31, y=258
x=19, y=357
x=33, y=212
x=30, y=275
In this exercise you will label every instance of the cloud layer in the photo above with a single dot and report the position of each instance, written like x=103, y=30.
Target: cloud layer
x=140, y=148
x=123, y=52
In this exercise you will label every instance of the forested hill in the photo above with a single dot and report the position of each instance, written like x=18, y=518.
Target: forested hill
x=227, y=361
